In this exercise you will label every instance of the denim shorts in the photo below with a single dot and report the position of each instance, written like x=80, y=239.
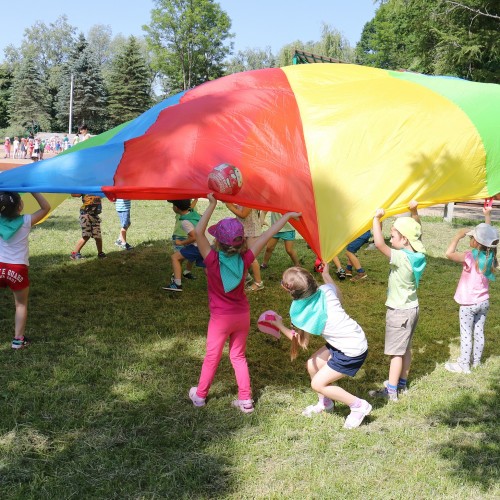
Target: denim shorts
x=356, y=244
x=285, y=235
x=346, y=365
x=124, y=219
x=191, y=253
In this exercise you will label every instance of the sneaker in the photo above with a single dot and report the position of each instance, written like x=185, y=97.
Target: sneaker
x=359, y=277
x=119, y=243
x=76, y=256
x=457, y=368
x=173, y=287
x=20, y=343
x=197, y=401
x=402, y=389
x=254, y=287
x=188, y=275
x=341, y=274
x=357, y=415
x=384, y=394
x=264, y=266
x=101, y=255
x=127, y=246
x=319, y=407
x=245, y=405
x=348, y=273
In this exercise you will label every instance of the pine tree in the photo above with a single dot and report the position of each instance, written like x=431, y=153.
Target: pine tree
x=89, y=93
x=129, y=85
x=5, y=92
x=29, y=104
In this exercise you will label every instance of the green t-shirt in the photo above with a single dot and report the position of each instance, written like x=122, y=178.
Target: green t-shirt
x=402, y=288
x=276, y=217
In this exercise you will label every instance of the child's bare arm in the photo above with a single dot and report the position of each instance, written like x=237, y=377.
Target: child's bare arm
x=199, y=230
x=378, y=237
x=487, y=214
x=242, y=212
x=451, y=251
x=261, y=241
x=413, y=211
x=278, y=323
x=44, y=208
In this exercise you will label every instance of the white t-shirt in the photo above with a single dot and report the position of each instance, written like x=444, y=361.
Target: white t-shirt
x=188, y=226
x=341, y=331
x=15, y=250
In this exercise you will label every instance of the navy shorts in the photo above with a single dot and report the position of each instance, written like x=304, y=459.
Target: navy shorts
x=345, y=364
x=191, y=253
x=356, y=244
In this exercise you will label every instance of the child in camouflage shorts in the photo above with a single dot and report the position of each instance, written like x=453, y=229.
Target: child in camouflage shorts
x=90, y=224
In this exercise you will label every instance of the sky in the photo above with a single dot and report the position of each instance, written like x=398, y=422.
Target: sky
x=255, y=23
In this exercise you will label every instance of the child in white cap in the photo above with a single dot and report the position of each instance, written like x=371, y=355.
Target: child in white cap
x=407, y=263
x=478, y=266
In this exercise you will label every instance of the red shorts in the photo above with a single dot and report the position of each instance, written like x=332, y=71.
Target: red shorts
x=14, y=276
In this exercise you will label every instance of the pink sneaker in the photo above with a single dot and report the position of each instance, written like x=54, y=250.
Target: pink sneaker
x=245, y=405
x=357, y=415
x=318, y=408
x=197, y=401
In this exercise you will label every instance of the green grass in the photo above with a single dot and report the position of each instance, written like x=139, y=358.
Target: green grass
x=97, y=407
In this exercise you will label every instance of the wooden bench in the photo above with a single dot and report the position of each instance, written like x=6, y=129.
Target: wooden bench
x=449, y=207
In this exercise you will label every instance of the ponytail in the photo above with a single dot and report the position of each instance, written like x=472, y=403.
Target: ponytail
x=300, y=339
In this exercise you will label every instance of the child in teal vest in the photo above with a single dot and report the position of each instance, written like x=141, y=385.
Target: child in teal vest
x=188, y=218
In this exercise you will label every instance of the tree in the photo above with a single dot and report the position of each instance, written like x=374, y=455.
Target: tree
x=188, y=40
x=249, y=59
x=129, y=85
x=29, y=104
x=5, y=92
x=440, y=37
x=89, y=93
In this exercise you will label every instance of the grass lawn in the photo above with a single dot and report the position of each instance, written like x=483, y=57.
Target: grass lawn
x=97, y=407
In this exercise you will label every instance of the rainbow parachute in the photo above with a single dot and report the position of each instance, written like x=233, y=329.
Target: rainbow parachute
x=332, y=141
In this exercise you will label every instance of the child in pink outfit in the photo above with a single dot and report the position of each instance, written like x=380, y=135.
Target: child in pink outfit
x=226, y=267
x=478, y=266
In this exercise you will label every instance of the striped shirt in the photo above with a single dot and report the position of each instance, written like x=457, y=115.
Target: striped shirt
x=122, y=205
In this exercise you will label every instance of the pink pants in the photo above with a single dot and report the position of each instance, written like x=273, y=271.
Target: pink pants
x=220, y=328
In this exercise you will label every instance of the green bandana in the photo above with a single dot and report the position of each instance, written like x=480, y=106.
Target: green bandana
x=9, y=227
x=310, y=314
x=231, y=270
x=484, y=263
x=418, y=263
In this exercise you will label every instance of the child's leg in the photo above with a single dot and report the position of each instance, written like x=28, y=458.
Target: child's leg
x=466, y=315
x=354, y=261
x=396, y=368
x=98, y=244
x=321, y=383
x=177, y=260
x=21, y=301
x=337, y=263
x=219, y=329
x=271, y=245
x=123, y=235
x=290, y=250
x=479, y=321
x=313, y=365
x=80, y=243
x=237, y=348
x=189, y=266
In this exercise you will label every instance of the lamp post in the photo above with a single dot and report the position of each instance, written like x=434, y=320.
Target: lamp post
x=70, y=105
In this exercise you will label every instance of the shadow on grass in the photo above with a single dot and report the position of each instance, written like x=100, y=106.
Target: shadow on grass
x=474, y=449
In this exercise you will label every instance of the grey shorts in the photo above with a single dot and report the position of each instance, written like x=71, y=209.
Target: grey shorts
x=400, y=326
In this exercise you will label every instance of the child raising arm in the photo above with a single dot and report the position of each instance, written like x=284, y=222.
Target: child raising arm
x=227, y=264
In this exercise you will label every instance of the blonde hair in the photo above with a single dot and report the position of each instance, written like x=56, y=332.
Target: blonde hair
x=229, y=249
x=300, y=283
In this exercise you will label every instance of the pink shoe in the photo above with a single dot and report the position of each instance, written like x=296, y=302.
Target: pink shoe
x=197, y=401
x=357, y=415
x=245, y=405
